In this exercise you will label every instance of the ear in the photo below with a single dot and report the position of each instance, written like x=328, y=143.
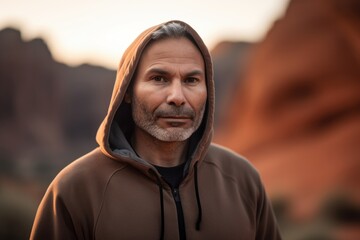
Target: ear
x=127, y=98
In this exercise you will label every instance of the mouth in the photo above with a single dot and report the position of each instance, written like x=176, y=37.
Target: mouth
x=175, y=121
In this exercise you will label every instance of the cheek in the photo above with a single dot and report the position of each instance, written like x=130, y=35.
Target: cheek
x=148, y=99
x=198, y=99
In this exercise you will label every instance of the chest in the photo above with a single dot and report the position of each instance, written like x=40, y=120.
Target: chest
x=132, y=210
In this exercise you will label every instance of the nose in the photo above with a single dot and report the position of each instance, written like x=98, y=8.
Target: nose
x=176, y=95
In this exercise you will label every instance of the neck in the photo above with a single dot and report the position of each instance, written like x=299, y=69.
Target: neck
x=156, y=152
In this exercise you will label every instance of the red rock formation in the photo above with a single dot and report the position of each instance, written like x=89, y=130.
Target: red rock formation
x=296, y=115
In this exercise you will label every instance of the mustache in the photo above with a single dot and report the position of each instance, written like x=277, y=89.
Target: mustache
x=175, y=111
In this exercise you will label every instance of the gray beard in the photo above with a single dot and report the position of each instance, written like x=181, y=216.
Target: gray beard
x=147, y=122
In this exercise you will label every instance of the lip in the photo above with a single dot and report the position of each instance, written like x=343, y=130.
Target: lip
x=175, y=121
x=175, y=117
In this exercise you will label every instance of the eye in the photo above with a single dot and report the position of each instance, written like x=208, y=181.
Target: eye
x=159, y=79
x=191, y=80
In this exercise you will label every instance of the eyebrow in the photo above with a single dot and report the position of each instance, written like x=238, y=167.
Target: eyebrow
x=196, y=72
x=164, y=72
x=157, y=70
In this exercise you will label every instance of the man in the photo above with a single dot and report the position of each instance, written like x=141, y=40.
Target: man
x=155, y=174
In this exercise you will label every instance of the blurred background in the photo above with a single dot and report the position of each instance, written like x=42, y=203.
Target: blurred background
x=287, y=78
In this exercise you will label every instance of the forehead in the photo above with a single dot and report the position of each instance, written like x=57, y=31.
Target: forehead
x=172, y=51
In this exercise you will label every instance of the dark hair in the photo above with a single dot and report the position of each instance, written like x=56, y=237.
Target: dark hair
x=172, y=30
x=168, y=30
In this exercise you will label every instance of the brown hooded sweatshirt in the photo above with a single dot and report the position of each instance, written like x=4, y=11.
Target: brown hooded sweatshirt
x=111, y=193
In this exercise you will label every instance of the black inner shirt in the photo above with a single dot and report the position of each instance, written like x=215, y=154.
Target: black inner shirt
x=172, y=175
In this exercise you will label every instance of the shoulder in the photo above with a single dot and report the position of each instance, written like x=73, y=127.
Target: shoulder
x=229, y=167
x=231, y=164
x=81, y=185
x=226, y=157
x=91, y=170
x=76, y=194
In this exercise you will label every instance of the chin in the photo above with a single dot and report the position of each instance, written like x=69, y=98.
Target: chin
x=173, y=136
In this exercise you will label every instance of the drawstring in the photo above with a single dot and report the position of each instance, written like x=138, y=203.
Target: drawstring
x=162, y=211
x=198, y=221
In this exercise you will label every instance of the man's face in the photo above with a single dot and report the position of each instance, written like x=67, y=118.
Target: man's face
x=169, y=92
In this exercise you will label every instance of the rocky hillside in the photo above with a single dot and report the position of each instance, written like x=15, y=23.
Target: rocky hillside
x=49, y=111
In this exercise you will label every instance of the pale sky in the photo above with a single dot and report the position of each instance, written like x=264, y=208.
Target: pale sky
x=98, y=32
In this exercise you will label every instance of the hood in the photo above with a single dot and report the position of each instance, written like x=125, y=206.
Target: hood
x=113, y=132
